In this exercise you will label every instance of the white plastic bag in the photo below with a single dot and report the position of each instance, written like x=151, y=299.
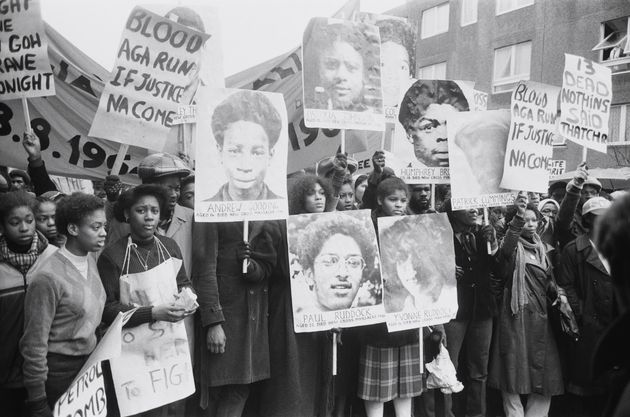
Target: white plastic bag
x=442, y=373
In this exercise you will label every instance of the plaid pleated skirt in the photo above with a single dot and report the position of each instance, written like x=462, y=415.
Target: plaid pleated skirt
x=386, y=373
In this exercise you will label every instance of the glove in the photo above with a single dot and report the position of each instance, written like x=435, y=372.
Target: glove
x=243, y=251
x=39, y=408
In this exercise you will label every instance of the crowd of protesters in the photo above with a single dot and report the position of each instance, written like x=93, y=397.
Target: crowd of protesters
x=542, y=293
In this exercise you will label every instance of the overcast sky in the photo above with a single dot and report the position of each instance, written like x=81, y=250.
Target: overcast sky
x=253, y=31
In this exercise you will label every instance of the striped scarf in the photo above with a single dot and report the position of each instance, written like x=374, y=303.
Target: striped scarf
x=23, y=261
x=519, y=294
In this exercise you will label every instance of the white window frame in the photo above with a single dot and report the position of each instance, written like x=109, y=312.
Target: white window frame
x=514, y=5
x=475, y=7
x=624, y=135
x=432, y=67
x=605, y=43
x=512, y=79
x=424, y=33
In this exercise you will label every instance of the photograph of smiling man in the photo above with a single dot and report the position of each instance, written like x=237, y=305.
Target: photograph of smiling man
x=335, y=270
x=241, y=156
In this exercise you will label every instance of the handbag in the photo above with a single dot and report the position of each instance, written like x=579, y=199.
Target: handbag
x=563, y=317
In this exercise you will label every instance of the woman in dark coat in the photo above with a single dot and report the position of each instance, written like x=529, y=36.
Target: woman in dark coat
x=525, y=359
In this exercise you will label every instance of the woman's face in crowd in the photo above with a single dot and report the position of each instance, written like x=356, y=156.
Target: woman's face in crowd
x=395, y=203
x=428, y=135
x=359, y=191
x=394, y=70
x=45, y=219
x=336, y=273
x=144, y=217
x=90, y=234
x=19, y=226
x=245, y=154
x=187, y=197
x=549, y=210
x=346, y=198
x=315, y=200
x=341, y=73
x=531, y=224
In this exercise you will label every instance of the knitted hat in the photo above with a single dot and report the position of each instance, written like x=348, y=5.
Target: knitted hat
x=595, y=205
x=20, y=173
x=160, y=165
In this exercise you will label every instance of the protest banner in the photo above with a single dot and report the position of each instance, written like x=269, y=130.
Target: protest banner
x=556, y=167
x=155, y=366
x=342, y=75
x=241, y=153
x=161, y=62
x=418, y=256
x=585, y=100
x=477, y=100
x=398, y=52
x=25, y=70
x=476, y=145
x=86, y=394
x=530, y=144
x=419, y=145
x=335, y=270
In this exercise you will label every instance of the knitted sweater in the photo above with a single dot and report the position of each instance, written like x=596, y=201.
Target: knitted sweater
x=61, y=313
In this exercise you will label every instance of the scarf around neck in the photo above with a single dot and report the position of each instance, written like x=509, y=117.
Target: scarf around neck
x=23, y=261
x=519, y=295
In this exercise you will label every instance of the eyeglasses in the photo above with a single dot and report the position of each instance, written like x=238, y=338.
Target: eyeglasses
x=352, y=263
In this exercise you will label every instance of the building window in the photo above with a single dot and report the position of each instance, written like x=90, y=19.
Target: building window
x=511, y=65
x=504, y=6
x=434, y=21
x=614, y=45
x=619, y=123
x=433, y=72
x=469, y=12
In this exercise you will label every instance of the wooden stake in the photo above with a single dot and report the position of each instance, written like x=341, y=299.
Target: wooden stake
x=334, y=354
x=245, y=239
x=486, y=222
x=120, y=158
x=343, y=140
x=27, y=115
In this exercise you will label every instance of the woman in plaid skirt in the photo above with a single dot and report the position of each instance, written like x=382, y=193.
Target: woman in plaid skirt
x=389, y=366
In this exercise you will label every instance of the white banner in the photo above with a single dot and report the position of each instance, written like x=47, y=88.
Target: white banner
x=159, y=66
x=24, y=68
x=585, y=101
x=530, y=143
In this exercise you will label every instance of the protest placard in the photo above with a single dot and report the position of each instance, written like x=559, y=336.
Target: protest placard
x=398, y=52
x=476, y=144
x=342, y=75
x=155, y=366
x=418, y=256
x=241, y=153
x=25, y=70
x=335, y=270
x=86, y=394
x=477, y=100
x=420, y=139
x=585, y=101
x=556, y=167
x=530, y=143
x=161, y=62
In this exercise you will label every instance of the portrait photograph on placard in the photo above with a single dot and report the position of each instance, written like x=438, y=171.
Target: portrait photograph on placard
x=241, y=155
x=342, y=75
x=477, y=143
x=335, y=270
x=398, y=57
x=418, y=266
x=420, y=142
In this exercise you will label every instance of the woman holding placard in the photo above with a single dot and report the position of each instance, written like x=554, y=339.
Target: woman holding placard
x=525, y=359
x=64, y=304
